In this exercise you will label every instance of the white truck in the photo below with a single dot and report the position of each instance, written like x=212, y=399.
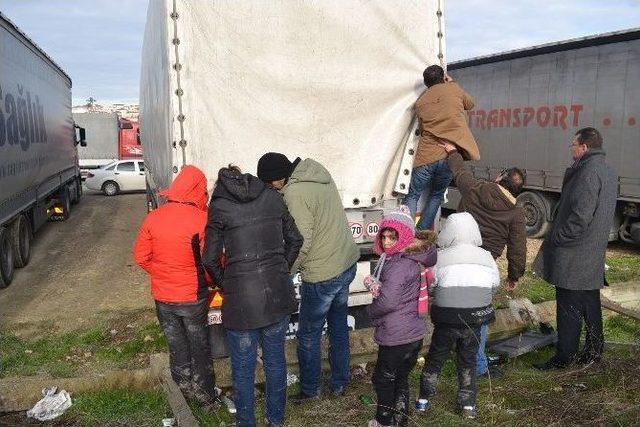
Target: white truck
x=225, y=82
x=39, y=174
x=102, y=147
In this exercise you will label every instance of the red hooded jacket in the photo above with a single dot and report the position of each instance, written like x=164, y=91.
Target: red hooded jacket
x=171, y=238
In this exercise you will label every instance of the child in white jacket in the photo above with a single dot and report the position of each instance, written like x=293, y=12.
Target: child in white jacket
x=466, y=278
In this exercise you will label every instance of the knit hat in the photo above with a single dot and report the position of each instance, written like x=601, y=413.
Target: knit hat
x=275, y=166
x=401, y=221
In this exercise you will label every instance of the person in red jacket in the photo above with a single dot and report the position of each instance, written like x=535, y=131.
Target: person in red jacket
x=168, y=247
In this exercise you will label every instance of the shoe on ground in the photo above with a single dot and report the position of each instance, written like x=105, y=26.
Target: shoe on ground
x=469, y=412
x=375, y=423
x=302, y=397
x=338, y=392
x=493, y=373
x=422, y=405
x=549, y=365
x=586, y=358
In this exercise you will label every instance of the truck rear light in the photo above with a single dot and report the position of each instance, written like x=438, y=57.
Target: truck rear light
x=216, y=301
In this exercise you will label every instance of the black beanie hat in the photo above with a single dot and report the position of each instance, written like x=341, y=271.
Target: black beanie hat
x=275, y=166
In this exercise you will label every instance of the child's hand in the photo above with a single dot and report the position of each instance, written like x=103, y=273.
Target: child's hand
x=372, y=284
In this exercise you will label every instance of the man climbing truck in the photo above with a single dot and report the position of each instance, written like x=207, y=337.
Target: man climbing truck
x=39, y=174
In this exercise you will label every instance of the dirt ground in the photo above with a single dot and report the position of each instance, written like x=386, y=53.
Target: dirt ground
x=80, y=270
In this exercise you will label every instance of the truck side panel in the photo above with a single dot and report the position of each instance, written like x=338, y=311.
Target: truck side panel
x=36, y=127
x=550, y=96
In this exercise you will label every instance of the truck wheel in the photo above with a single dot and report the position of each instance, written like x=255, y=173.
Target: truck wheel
x=110, y=188
x=21, y=240
x=6, y=258
x=535, y=212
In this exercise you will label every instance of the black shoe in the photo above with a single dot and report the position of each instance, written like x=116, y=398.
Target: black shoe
x=549, y=365
x=587, y=358
x=493, y=373
x=303, y=397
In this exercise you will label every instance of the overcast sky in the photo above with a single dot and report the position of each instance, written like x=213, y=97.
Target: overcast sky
x=98, y=42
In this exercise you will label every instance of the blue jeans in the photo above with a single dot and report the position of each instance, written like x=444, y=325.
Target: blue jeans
x=433, y=180
x=243, y=346
x=319, y=303
x=482, y=365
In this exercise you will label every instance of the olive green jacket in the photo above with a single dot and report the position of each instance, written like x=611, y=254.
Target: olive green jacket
x=313, y=200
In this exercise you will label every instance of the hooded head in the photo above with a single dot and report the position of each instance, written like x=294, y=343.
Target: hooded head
x=190, y=186
x=401, y=221
x=460, y=229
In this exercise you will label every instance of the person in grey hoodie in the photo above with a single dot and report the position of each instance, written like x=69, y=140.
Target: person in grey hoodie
x=466, y=278
x=399, y=330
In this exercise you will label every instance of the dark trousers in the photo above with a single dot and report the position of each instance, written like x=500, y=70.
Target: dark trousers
x=185, y=326
x=466, y=341
x=391, y=381
x=571, y=308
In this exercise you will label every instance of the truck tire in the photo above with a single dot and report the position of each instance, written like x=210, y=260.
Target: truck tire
x=21, y=240
x=535, y=212
x=66, y=203
x=6, y=258
x=110, y=188
x=76, y=192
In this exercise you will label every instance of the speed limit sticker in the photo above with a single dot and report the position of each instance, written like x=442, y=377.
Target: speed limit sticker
x=356, y=229
x=372, y=229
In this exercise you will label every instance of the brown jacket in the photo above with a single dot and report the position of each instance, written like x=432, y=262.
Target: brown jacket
x=501, y=222
x=441, y=111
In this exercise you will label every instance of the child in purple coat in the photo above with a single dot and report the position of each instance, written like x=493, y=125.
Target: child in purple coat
x=399, y=330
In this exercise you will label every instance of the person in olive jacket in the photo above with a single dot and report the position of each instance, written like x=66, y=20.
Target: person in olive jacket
x=251, y=223
x=327, y=266
x=573, y=252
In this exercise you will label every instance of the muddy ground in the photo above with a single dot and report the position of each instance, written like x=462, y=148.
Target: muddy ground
x=81, y=269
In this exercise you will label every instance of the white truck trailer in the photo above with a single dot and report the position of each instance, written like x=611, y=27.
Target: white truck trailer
x=39, y=174
x=225, y=82
x=102, y=145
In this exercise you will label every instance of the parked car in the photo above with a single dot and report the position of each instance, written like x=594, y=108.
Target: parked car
x=117, y=177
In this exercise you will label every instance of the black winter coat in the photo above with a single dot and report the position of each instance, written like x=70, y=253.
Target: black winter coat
x=575, y=247
x=261, y=241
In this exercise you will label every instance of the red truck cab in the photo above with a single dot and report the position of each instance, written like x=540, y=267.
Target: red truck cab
x=128, y=140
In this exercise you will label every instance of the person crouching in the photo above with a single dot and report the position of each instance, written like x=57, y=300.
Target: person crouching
x=466, y=276
x=399, y=330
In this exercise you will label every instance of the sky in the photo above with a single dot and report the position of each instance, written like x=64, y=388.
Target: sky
x=98, y=42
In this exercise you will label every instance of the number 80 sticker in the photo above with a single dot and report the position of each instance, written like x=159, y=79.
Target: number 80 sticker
x=372, y=229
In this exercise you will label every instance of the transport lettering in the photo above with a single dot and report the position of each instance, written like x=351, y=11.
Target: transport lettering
x=21, y=119
x=543, y=116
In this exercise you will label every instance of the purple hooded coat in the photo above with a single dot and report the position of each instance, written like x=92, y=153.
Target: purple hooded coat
x=394, y=313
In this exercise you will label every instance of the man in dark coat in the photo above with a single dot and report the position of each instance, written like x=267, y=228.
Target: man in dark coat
x=574, y=250
x=261, y=242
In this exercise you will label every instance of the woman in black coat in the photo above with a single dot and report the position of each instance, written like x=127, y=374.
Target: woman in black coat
x=251, y=223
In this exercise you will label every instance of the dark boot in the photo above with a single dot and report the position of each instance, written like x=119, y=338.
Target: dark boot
x=401, y=417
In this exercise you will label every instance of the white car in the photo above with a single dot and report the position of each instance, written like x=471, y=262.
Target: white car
x=116, y=177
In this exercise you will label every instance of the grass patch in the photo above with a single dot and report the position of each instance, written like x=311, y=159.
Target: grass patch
x=66, y=355
x=621, y=328
x=623, y=267
x=119, y=407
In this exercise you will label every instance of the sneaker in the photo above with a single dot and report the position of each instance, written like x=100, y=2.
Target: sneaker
x=302, y=397
x=469, y=412
x=493, y=372
x=341, y=391
x=422, y=405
